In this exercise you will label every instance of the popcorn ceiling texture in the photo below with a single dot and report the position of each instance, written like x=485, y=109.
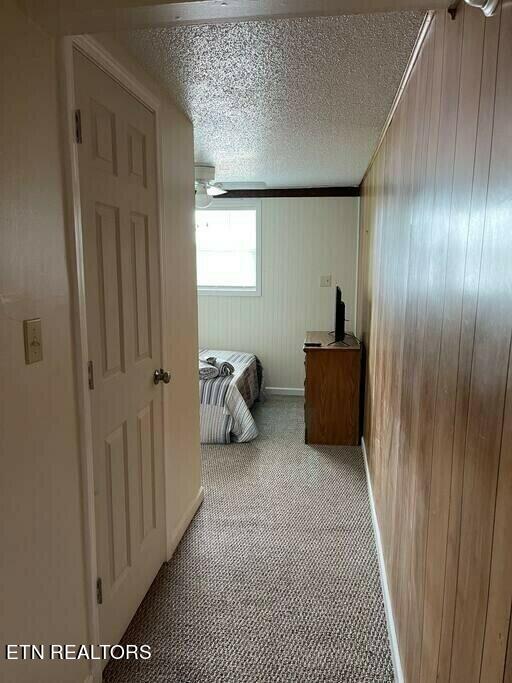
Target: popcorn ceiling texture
x=290, y=102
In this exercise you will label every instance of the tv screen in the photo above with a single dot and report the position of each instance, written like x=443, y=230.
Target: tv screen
x=339, y=317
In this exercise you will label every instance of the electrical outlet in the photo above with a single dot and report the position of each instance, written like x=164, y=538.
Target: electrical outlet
x=325, y=280
x=33, y=340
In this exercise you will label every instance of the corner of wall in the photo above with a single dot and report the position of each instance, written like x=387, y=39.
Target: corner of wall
x=175, y=535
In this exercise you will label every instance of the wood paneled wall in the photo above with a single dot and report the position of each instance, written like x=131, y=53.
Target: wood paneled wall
x=435, y=312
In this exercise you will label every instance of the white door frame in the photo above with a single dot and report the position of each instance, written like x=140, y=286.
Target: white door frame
x=92, y=49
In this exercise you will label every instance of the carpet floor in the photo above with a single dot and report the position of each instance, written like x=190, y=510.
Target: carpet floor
x=276, y=579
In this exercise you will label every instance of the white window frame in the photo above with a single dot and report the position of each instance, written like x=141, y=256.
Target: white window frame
x=238, y=205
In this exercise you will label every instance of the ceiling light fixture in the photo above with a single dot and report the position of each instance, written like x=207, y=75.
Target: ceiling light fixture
x=488, y=7
x=206, y=187
x=203, y=199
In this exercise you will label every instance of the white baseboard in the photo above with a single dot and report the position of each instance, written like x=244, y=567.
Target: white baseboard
x=393, y=641
x=194, y=506
x=284, y=391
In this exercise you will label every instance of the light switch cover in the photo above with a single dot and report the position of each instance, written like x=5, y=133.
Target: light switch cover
x=33, y=340
x=325, y=280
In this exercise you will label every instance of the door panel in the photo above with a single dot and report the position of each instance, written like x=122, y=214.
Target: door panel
x=147, y=470
x=108, y=258
x=141, y=276
x=103, y=138
x=117, y=163
x=118, y=501
x=137, y=159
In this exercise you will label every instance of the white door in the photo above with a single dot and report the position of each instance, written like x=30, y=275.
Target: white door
x=117, y=162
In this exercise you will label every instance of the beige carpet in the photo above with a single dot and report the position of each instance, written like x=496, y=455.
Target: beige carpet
x=276, y=580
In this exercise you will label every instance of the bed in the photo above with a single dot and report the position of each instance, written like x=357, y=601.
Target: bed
x=226, y=402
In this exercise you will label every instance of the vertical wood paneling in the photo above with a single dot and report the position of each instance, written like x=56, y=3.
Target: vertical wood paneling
x=302, y=239
x=488, y=382
x=498, y=616
x=466, y=343
x=469, y=52
x=435, y=307
x=413, y=344
x=508, y=666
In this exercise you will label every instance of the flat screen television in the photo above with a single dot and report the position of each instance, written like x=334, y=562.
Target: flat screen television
x=339, y=317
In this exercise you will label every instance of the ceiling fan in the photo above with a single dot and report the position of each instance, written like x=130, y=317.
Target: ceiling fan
x=206, y=188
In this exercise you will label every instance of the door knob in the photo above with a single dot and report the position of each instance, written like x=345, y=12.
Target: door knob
x=161, y=376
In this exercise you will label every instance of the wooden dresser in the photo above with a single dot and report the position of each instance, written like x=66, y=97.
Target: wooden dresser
x=332, y=389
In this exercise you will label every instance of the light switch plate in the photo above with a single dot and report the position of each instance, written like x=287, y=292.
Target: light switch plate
x=325, y=280
x=33, y=340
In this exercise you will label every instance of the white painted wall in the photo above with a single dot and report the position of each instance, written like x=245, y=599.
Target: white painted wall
x=302, y=239
x=42, y=582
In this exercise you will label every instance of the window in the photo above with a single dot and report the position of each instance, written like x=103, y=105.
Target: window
x=229, y=248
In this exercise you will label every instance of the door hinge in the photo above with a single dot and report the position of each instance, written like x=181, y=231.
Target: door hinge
x=78, y=126
x=90, y=374
x=99, y=591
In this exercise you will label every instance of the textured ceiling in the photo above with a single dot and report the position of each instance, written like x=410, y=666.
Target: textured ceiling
x=288, y=102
